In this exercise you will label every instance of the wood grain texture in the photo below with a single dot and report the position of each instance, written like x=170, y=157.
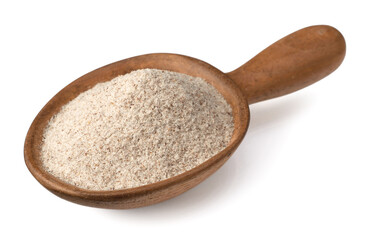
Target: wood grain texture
x=290, y=64
x=152, y=193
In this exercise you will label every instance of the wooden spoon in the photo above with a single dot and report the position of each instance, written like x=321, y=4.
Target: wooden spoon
x=289, y=64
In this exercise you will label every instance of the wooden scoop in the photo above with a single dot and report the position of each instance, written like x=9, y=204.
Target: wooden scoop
x=291, y=63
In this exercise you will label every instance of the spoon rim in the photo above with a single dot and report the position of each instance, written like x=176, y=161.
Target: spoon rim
x=241, y=116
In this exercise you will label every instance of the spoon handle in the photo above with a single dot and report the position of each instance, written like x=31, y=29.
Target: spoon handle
x=292, y=63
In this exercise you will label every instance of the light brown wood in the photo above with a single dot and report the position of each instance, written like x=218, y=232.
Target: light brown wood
x=292, y=63
x=251, y=86
x=153, y=193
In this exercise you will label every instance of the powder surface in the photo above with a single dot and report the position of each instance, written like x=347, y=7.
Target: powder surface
x=137, y=129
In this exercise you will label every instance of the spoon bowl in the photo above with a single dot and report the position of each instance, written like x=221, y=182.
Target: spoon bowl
x=152, y=193
x=293, y=62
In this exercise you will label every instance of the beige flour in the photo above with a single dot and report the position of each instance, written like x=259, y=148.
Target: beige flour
x=136, y=129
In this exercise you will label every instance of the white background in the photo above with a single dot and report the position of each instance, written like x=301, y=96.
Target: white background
x=302, y=172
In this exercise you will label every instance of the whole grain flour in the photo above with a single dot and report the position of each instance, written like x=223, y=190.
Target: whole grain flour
x=137, y=129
